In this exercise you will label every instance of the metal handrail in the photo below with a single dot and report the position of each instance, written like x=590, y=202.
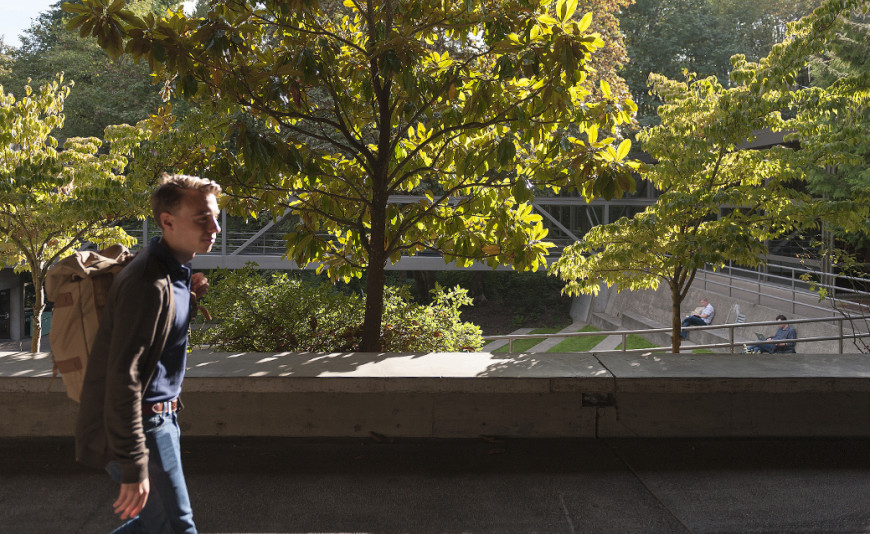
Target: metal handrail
x=729, y=326
x=780, y=265
x=749, y=274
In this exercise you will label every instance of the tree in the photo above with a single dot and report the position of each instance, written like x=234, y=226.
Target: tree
x=462, y=107
x=608, y=62
x=53, y=201
x=107, y=91
x=717, y=203
x=700, y=36
x=5, y=57
x=833, y=121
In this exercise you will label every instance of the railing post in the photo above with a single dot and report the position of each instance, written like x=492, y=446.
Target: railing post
x=224, y=237
x=731, y=336
x=841, y=335
x=624, y=342
x=510, y=344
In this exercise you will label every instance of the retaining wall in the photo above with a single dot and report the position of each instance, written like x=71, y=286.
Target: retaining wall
x=472, y=394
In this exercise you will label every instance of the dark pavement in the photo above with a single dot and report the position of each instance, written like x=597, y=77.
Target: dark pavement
x=380, y=485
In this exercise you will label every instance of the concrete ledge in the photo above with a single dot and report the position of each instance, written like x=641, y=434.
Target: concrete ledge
x=472, y=394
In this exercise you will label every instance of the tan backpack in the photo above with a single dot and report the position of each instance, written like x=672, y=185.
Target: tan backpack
x=79, y=287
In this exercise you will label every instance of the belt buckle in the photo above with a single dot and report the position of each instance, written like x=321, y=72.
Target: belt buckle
x=159, y=408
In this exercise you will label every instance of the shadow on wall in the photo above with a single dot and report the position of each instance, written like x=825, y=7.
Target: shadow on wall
x=390, y=365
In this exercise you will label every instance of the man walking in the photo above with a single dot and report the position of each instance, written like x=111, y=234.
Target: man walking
x=128, y=418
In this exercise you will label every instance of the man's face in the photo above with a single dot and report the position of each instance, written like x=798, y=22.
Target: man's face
x=704, y=302
x=193, y=227
x=783, y=325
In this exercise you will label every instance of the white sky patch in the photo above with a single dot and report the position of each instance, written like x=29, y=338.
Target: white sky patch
x=17, y=15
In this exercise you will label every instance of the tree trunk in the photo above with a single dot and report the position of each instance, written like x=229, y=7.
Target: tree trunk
x=38, y=306
x=376, y=272
x=425, y=283
x=676, y=323
x=477, y=286
x=371, y=339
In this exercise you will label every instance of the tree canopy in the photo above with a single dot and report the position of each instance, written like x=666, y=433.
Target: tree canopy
x=106, y=91
x=391, y=127
x=833, y=130
x=699, y=36
x=719, y=203
x=52, y=201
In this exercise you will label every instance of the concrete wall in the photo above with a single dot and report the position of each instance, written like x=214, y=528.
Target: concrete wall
x=629, y=413
x=520, y=395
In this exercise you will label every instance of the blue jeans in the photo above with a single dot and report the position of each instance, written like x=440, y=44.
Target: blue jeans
x=692, y=320
x=770, y=348
x=167, y=509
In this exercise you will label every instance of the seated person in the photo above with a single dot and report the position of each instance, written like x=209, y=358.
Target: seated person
x=703, y=315
x=783, y=332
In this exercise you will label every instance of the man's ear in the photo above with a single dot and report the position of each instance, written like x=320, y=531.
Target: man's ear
x=166, y=220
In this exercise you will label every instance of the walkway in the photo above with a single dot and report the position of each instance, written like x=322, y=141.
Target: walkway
x=478, y=486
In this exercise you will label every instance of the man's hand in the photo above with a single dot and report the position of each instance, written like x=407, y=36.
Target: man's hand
x=199, y=285
x=132, y=499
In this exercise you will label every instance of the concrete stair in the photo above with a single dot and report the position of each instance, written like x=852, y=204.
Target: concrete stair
x=651, y=309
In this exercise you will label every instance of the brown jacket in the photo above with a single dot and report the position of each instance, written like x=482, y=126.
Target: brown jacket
x=133, y=331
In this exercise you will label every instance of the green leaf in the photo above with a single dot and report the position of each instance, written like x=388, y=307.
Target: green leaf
x=624, y=149
x=584, y=23
x=506, y=152
x=571, y=7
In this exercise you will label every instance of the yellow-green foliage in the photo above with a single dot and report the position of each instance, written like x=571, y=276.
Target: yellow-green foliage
x=717, y=203
x=336, y=109
x=53, y=201
x=278, y=312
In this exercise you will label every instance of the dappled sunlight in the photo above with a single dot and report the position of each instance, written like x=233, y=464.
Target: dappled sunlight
x=25, y=364
x=393, y=365
x=510, y=364
x=336, y=364
x=545, y=365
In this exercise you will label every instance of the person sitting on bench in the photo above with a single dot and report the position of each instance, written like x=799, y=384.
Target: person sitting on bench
x=703, y=315
x=782, y=333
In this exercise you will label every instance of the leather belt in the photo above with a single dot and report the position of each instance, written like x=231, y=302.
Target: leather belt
x=149, y=408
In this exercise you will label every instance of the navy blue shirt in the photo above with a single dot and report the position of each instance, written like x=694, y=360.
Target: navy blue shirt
x=166, y=383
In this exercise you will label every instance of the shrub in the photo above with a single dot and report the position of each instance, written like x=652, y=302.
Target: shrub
x=260, y=312
x=411, y=327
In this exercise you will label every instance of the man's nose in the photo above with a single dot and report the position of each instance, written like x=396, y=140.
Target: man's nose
x=214, y=226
